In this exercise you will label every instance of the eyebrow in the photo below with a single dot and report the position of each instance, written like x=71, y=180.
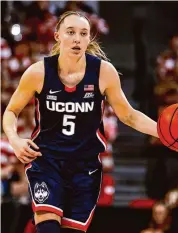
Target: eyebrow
x=73, y=28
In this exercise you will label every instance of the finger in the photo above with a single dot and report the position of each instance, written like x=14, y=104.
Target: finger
x=21, y=160
x=32, y=152
x=32, y=144
x=31, y=159
x=27, y=160
x=27, y=154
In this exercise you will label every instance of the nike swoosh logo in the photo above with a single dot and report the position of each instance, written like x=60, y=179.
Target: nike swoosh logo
x=53, y=92
x=90, y=172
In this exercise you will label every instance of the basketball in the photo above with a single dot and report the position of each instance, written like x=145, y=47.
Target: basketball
x=167, y=127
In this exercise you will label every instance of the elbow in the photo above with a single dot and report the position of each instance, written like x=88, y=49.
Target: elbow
x=8, y=110
x=7, y=117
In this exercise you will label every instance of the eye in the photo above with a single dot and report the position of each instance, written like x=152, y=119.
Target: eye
x=84, y=33
x=70, y=32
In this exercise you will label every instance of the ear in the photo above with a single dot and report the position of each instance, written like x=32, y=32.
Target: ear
x=56, y=36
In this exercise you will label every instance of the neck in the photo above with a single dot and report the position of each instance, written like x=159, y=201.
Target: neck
x=69, y=64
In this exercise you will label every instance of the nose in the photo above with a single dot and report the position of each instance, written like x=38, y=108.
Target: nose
x=77, y=38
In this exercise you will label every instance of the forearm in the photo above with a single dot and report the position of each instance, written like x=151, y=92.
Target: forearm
x=142, y=123
x=10, y=125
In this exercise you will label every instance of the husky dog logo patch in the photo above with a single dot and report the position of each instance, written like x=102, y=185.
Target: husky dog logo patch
x=41, y=192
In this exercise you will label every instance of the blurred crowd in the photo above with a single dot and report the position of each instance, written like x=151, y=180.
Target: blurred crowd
x=166, y=88
x=27, y=36
x=162, y=181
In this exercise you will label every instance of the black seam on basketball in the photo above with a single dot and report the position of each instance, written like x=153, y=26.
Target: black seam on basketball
x=163, y=135
x=176, y=140
x=171, y=123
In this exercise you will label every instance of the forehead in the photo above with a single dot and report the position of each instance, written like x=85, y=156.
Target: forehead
x=160, y=208
x=76, y=22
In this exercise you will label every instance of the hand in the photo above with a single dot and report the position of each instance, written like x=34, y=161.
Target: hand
x=23, y=151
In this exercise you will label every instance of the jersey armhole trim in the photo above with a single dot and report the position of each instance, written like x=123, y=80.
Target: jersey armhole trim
x=99, y=71
x=44, y=79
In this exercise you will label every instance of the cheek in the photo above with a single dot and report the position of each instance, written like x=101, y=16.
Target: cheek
x=86, y=42
x=65, y=40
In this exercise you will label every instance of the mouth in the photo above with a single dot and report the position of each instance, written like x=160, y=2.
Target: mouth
x=76, y=48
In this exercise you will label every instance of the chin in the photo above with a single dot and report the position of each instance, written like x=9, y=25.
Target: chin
x=76, y=54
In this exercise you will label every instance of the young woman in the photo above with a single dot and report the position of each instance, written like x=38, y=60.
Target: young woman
x=62, y=158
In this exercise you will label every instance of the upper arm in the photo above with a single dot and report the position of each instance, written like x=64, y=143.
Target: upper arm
x=30, y=82
x=112, y=88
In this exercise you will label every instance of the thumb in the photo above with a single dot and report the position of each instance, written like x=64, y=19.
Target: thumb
x=32, y=144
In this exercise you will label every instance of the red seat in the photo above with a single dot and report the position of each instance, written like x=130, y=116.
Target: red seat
x=142, y=203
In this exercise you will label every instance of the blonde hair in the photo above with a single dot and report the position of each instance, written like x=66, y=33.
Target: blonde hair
x=93, y=47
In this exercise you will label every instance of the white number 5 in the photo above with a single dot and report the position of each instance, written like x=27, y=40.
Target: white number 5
x=67, y=122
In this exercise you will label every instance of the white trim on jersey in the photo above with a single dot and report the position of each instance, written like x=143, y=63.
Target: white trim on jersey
x=99, y=137
x=39, y=119
x=98, y=132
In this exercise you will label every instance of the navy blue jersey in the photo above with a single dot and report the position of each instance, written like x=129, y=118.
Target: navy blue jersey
x=69, y=120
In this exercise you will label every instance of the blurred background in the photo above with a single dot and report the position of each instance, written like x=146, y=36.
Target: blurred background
x=140, y=183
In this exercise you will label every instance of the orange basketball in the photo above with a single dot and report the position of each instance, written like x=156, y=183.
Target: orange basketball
x=167, y=127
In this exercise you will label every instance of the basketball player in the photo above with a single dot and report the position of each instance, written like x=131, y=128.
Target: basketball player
x=62, y=158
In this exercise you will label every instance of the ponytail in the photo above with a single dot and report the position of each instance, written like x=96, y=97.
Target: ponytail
x=95, y=50
x=55, y=49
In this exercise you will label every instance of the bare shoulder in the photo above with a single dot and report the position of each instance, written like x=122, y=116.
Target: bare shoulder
x=107, y=66
x=34, y=75
x=36, y=69
x=108, y=75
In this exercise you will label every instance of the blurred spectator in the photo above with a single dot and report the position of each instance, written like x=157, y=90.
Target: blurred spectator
x=167, y=62
x=161, y=219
